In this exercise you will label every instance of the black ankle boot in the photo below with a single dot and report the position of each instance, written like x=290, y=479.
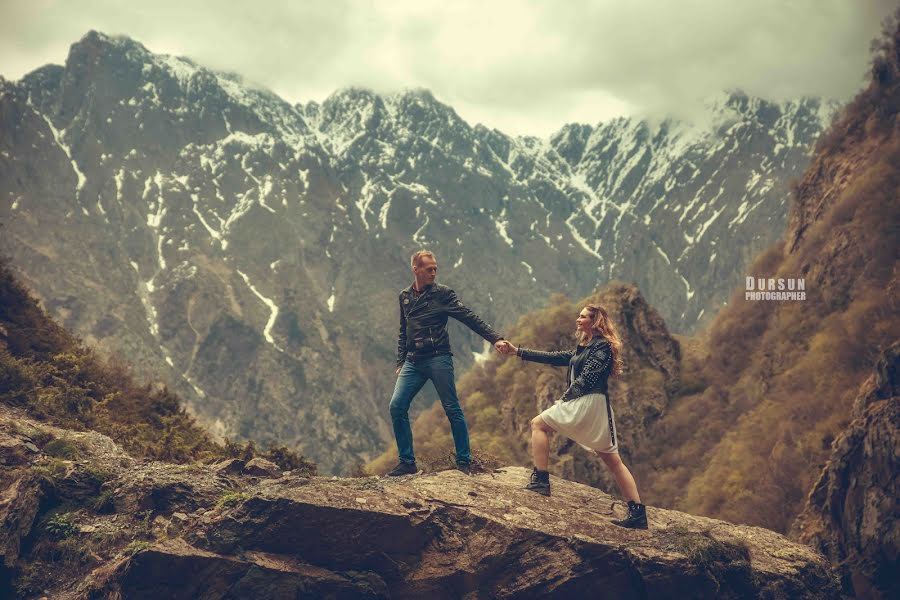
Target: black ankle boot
x=637, y=517
x=540, y=482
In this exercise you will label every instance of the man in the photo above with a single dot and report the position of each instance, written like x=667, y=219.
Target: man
x=423, y=353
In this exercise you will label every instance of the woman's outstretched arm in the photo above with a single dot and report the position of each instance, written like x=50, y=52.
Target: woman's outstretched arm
x=559, y=358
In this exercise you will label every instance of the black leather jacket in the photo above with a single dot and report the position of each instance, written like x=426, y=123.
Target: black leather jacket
x=588, y=370
x=423, y=322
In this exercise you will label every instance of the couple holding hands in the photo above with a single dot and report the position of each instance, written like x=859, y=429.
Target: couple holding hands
x=583, y=413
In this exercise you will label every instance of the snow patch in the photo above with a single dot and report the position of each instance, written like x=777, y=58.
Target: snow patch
x=212, y=232
x=485, y=354
x=530, y=270
x=578, y=238
x=383, y=213
x=708, y=222
x=366, y=195
x=501, y=224
x=688, y=291
x=663, y=254
x=419, y=231
x=273, y=316
x=120, y=184
x=58, y=136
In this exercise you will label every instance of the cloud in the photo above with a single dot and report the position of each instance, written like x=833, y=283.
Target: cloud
x=524, y=66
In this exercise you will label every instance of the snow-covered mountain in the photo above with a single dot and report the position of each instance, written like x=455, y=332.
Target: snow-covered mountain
x=250, y=251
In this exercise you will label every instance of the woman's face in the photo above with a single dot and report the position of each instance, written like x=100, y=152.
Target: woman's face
x=583, y=322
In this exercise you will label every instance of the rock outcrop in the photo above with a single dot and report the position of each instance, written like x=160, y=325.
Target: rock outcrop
x=160, y=530
x=852, y=512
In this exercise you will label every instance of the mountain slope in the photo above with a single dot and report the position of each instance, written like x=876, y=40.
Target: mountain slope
x=784, y=376
x=49, y=374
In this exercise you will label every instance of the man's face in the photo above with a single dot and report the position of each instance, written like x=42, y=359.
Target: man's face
x=426, y=271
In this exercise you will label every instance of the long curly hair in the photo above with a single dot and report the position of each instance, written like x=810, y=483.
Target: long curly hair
x=602, y=325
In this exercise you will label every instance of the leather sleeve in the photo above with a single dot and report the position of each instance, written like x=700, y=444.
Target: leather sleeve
x=401, y=340
x=559, y=358
x=594, y=366
x=460, y=312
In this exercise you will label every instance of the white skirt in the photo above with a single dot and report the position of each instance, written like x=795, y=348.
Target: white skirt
x=588, y=420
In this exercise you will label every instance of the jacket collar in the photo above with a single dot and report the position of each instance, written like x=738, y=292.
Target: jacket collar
x=412, y=288
x=597, y=339
x=416, y=300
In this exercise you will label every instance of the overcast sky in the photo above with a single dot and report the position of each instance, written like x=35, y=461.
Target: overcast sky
x=525, y=66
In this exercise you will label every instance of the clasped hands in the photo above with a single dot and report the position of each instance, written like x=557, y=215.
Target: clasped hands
x=504, y=347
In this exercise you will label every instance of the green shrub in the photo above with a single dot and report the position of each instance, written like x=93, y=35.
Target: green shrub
x=104, y=503
x=135, y=546
x=51, y=471
x=288, y=460
x=62, y=448
x=232, y=499
x=31, y=579
x=701, y=548
x=61, y=526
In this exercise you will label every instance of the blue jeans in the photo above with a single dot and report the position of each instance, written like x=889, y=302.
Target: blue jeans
x=439, y=369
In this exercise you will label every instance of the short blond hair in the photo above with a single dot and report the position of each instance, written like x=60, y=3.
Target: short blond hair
x=416, y=259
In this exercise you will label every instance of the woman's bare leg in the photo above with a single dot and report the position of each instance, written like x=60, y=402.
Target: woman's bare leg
x=540, y=443
x=623, y=476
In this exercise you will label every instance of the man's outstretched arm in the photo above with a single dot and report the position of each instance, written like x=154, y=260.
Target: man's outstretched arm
x=460, y=312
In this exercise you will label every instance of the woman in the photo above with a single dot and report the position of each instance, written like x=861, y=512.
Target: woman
x=583, y=413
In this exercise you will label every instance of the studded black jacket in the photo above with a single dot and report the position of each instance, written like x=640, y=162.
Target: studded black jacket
x=588, y=370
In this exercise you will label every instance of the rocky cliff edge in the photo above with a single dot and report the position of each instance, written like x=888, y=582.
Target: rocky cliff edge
x=81, y=519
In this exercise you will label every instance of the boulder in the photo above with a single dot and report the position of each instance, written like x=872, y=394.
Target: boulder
x=230, y=466
x=19, y=506
x=260, y=467
x=167, y=488
x=14, y=450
